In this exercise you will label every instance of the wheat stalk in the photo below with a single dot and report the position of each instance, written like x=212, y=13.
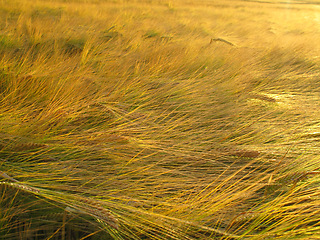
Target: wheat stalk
x=221, y=40
x=27, y=146
x=94, y=209
x=83, y=205
x=3, y=174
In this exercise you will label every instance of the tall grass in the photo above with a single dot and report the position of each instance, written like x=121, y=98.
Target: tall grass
x=159, y=120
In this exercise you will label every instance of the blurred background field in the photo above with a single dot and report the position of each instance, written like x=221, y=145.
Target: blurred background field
x=154, y=119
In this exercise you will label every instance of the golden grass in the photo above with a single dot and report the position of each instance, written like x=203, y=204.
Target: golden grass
x=159, y=119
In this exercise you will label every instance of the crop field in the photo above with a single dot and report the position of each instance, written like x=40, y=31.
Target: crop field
x=159, y=119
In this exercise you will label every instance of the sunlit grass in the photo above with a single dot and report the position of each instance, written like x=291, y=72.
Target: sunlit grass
x=159, y=120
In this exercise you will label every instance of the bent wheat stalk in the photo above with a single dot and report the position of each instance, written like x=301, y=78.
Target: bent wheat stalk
x=3, y=174
x=83, y=205
x=221, y=40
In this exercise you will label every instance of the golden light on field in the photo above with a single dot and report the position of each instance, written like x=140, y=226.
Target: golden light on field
x=152, y=119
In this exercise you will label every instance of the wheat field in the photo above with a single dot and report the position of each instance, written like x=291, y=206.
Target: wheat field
x=151, y=119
